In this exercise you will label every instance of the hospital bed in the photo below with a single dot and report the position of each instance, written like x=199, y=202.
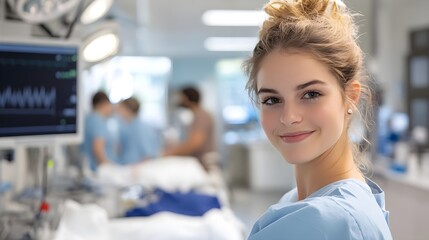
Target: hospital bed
x=104, y=221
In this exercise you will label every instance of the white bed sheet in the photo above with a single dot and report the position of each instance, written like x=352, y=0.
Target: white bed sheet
x=169, y=173
x=90, y=222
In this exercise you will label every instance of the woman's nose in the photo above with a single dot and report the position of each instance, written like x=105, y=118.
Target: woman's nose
x=290, y=114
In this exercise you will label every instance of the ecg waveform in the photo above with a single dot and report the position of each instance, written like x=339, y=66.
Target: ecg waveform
x=32, y=63
x=28, y=100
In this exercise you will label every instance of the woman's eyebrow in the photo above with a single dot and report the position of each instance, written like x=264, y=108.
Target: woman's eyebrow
x=266, y=90
x=312, y=82
x=299, y=87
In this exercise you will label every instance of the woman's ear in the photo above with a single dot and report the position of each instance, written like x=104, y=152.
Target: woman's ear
x=353, y=90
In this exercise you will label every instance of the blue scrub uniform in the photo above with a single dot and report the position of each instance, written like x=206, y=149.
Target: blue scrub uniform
x=346, y=209
x=138, y=142
x=96, y=127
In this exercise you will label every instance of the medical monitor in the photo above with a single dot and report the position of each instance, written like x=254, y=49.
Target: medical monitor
x=39, y=91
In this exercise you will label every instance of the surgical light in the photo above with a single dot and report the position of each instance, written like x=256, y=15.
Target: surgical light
x=95, y=10
x=100, y=46
x=40, y=11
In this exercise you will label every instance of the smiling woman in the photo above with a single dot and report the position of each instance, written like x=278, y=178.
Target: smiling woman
x=306, y=75
x=304, y=118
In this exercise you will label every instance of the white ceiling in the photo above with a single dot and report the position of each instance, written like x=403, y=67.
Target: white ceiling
x=173, y=28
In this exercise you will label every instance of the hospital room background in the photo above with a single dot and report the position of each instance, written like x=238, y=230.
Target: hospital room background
x=55, y=55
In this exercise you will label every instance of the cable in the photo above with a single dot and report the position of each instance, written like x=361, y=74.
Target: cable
x=73, y=23
x=48, y=31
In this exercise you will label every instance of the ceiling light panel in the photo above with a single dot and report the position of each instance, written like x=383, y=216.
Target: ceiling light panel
x=231, y=44
x=233, y=18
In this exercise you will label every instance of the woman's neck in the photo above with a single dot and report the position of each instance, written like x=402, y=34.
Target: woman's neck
x=333, y=165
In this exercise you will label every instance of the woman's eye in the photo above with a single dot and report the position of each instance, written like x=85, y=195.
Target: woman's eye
x=270, y=101
x=311, y=95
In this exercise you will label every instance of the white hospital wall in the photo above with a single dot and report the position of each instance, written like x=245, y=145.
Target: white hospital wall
x=395, y=20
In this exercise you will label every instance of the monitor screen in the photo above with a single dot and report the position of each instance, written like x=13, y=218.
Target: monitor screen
x=38, y=89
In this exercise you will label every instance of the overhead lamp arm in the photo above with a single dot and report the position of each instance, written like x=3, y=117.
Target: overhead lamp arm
x=47, y=30
x=70, y=25
x=76, y=18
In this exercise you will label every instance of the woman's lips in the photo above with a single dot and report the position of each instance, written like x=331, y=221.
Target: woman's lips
x=295, y=136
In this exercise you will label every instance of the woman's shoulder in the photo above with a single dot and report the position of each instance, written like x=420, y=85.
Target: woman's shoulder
x=315, y=218
x=337, y=211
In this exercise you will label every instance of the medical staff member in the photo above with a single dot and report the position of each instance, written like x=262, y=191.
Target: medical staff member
x=200, y=139
x=138, y=141
x=99, y=145
x=307, y=76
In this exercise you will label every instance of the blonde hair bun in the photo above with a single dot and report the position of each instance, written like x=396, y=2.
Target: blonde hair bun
x=281, y=12
x=304, y=9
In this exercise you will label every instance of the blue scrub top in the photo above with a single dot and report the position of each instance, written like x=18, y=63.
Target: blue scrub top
x=96, y=127
x=138, y=141
x=346, y=209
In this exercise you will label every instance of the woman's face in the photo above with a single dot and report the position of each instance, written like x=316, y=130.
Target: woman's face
x=301, y=105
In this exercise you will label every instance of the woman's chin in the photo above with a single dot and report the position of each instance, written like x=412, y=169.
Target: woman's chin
x=296, y=159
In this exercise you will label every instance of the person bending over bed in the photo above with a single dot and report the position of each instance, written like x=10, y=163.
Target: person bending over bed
x=200, y=136
x=138, y=141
